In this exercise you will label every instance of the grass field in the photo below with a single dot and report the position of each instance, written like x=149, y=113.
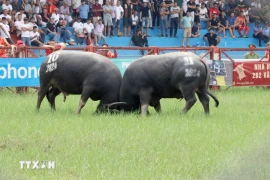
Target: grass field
x=232, y=143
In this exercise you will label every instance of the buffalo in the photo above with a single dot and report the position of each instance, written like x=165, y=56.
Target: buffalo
x=89, y=74
x=173, y=75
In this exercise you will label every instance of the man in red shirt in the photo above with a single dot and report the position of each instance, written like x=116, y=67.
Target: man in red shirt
x=97, y=12
x=241, y=23
x=106, y=52
x=214, y=10
x=50, y=8
x=54, y=47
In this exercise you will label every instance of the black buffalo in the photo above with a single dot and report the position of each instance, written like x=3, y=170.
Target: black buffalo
x=71, y=72
x=172, y=75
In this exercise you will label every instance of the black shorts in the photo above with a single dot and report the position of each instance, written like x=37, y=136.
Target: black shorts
x=34, y=43
x=9, y=41
x=127, y=22
x=92, y=35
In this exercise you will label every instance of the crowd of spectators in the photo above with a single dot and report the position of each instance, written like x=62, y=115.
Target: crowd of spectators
x=94, y=20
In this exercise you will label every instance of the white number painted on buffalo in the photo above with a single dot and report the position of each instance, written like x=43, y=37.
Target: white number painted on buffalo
x=52, y=63
x=192, y=72
x=188, y=61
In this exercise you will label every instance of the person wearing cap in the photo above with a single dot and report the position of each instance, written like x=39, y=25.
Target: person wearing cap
x=64, y=13
x=251, y=54
x=26, y=28
x=241, y=23
x=266, y=32
x=212, y=38
x=106, y=52
x=139, y=39
x=99, y=29
x=51, y=30
x=257, y=32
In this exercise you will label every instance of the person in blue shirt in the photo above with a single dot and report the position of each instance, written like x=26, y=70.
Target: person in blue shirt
x=257, y=32
x=84, y=10
x=231, y=23
x=266, y=32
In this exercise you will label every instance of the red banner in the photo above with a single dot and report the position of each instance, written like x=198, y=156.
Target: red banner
x=252, y=73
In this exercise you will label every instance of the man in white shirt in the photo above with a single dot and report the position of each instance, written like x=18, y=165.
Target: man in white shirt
x=20, y=12
x=203, y=12
x=26, y=29
x=78, y=30
x=88, y=30
x=119, y=13
x=18, y=25
x=56, y=15
x=4, y=30
x=40, y=31
x=7, y=6
x=34, y=37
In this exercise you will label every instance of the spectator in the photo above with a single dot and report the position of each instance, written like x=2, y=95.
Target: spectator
x=214, y=10
x=155, y=9
x=203, y=12
x=266, y=32
x=127, y=17
x=45, y=16
x=88, y=30
x=20, y=12
x=264, y=12
x=236, y=11
x=7, y=6
x=78, y=30
x=197, y=14
x=50, y=8
x=135, y=22
x=119, y=13
x=245, y=13
x=113, y=18
x=15, y=6
x=232, y=23
x=186, y=23
x=256, y=4
x=106, y=52
x=224, y=24
x=64, y=13
x=241, y=5
x=97, y=11
x=258, y=33
x=212, y=38
x=75, y=5
x=4, y=30
x=164, y=19
x=27, y=8
x=53, y=47
x=99, y=32
x=35, y=37
x=18, y=24
x=56, y=15
x=107, y=17
x=83, y=10
x=175, y=11
x=232, y=4
x=241, y=23
x=8, y=19
x=215, y=24
x=51, y=30
x=191, y=8
x=195, y=31
x=26, y=28
x=139, y=40
x=36, y=7
x=3, y=43
x=63, y=31
x=41, y=32
x=251, y=54
x=253, y=14
x=144, y=16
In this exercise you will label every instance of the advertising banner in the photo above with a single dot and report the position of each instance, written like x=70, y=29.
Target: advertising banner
x=251, y=73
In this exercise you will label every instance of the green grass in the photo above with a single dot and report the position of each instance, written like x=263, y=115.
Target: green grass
x=232, y=143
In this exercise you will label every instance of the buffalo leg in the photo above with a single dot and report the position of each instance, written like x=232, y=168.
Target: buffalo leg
x=204, y=98
x=190, y=99
x=41, y=94
x=53, y=92
x=84, y=97
x=145, y=98
x=156, y=104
